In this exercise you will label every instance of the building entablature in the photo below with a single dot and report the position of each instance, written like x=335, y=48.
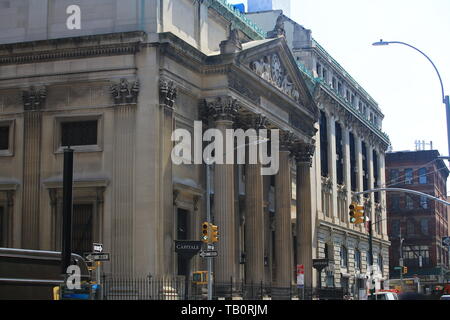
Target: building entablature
x=351, y=120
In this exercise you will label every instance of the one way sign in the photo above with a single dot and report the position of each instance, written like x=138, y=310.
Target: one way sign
x=97, y=247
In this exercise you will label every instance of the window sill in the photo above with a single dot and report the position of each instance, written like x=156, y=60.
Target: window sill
x=90, y=148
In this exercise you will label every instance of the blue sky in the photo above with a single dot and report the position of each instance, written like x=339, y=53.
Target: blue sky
x=401, y=80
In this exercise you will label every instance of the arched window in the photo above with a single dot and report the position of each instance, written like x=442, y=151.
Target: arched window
x=344, y=257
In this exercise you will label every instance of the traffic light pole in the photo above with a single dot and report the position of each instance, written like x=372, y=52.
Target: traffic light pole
x=208, y=218
x=66, y=252
x=369, y=225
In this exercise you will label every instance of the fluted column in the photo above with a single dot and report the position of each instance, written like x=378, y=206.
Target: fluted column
x=382, y=175
x=223, y=111
x=283, y=229
x=122, y=206
x=33, y=100
x=254, y=224
x=168, y=95
x=347, y=171
x=303, y=157
x=332, y=166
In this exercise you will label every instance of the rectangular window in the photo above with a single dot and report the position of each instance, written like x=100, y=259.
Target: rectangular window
x=4, y=137
x=395, y=229
x=395, y=202
x=82, y=228
x=393, y=176
x=423, y=175
x=409, y=204
x=424, y=226
x=423, y=202
x=408, y=176
x=323, y=144
x=79, y=133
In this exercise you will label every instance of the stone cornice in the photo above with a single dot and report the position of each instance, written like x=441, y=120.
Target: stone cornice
x=71, y=48
x=351, y=119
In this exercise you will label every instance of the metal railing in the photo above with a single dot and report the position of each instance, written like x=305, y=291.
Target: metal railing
x=176, y=288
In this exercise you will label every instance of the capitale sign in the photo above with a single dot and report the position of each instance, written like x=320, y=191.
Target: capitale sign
x=188, y=248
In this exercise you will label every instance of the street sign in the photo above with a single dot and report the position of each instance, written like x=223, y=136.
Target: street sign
x=320, y=264
x=208, y=254
x=95, y=256
x=446, y=241
x=187, y=248
x=97, y=247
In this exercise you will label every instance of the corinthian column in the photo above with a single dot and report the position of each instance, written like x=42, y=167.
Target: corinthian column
x=223, y=111
x=33, y=101
x=283, y=229
x=254, y=223
x=303, y=157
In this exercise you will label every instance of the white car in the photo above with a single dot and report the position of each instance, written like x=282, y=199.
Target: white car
x=445, y=297
x=383, y=296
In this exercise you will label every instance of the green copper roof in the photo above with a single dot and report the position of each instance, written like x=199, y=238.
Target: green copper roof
x=238, y=19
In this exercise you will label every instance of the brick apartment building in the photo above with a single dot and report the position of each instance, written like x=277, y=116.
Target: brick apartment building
x=421, y=222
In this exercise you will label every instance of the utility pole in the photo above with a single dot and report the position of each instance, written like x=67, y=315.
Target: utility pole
x=401, y=257
x=369, y=225
x=209, y=220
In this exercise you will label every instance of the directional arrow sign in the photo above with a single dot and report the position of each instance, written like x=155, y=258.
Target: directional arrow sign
x=97, y=247
x=97, y=256
x=208, y=254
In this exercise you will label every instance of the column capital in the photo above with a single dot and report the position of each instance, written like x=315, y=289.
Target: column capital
x=125, y=92
x=287, y=140
x=222, y=108
x=303, y=153
x=34, y=98
x=167, y=93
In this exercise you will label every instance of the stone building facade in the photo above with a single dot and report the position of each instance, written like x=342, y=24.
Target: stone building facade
x=349, y=158
x=115, y=90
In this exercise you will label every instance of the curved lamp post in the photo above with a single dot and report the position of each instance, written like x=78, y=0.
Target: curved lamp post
x=445, y=99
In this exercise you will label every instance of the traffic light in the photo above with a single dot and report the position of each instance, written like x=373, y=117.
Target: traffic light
x=205, y=232
x=356, y=213
x=405, y=270
x=214, y=233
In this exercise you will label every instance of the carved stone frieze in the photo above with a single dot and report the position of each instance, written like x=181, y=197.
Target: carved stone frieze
x=270, y=69
x=34, y=98
x=125, y=92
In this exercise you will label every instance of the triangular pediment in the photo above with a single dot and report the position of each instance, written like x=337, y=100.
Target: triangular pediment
x=272, y=61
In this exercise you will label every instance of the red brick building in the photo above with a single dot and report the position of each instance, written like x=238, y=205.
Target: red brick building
x=420, y=221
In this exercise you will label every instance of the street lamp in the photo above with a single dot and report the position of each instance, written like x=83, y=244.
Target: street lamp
x=445, y=99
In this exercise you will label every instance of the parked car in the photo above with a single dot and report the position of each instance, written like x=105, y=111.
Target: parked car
x=383, y=296
x=445, y=297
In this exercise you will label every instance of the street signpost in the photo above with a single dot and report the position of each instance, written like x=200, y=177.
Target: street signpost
x=208, y=254
x=95, y=256
x=319, y=265
x=187, y=248
x=97, y=247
